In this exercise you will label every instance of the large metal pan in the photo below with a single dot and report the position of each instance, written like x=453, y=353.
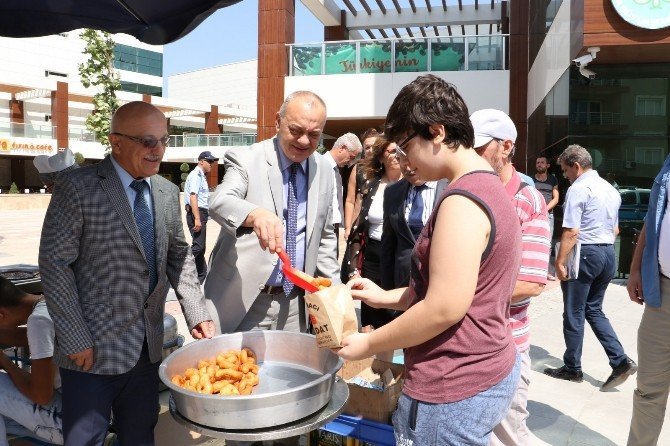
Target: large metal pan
x=296, y=380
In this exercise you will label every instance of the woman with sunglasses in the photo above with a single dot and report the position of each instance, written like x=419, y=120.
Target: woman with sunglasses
x=361, y=258
x=462, y=366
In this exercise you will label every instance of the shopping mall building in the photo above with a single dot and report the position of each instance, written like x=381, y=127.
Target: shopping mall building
x=516, y=56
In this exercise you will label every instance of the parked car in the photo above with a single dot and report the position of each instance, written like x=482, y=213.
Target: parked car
x=634, y=203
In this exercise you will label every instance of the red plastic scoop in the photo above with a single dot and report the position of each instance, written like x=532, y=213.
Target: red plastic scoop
x=291, y=274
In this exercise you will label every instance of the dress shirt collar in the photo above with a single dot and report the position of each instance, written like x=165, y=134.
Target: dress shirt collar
x=330, y=159
x=587, y=175
x=284, y=162
x=124, y=176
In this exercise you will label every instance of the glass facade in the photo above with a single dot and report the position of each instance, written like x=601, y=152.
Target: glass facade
x=141, y=88
x=138, y=60
x=621, y=117
x=542, y=14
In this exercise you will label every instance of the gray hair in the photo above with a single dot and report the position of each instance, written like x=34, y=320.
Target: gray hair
x=575, y=153
x=311, y=96
x=350, y=141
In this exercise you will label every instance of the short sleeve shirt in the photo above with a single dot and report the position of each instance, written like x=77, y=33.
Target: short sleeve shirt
x=592, y=206
x=546, y=187
x=196, y=183
x=41, y=335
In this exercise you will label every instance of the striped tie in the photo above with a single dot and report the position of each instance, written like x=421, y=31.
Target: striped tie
x=145, y=226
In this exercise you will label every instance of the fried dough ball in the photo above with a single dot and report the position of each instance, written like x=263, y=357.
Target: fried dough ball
x=230, y=373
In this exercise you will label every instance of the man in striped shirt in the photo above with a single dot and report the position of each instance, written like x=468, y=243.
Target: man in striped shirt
x=495, y=135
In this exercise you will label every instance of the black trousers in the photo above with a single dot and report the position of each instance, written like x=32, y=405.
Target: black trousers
x=199, y=241
x=89, y=399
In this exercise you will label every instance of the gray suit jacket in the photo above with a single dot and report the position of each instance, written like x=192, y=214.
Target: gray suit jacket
x=239, y=268
x=94, y=272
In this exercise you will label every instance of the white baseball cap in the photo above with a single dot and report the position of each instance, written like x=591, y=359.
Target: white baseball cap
x=489, y=124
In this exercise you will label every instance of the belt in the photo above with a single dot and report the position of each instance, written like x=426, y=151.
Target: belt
x=272, y=289
x=596, y=244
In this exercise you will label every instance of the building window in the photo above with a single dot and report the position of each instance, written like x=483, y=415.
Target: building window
x=649, y=155
x=141, y=88
x=650, y=105
x=129, y=58
x=48, y=73
x=588, y=112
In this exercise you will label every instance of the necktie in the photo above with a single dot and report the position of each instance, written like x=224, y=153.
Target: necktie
x=291, y=222
x=415, y=220
x=145, y=226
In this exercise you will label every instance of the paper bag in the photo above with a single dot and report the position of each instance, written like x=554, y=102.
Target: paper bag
x=332, y=314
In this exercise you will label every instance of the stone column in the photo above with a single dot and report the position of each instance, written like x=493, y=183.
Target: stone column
x=212, y=128
x=60, y=114
x=517, y=24
x=340, y=32
x=16, y=116
x=276, y=28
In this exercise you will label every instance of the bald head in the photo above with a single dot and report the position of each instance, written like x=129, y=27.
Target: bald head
x=131, y=111
x=138, y=138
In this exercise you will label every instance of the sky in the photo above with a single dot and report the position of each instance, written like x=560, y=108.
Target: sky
x=230, y=35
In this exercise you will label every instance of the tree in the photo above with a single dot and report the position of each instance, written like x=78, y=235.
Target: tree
x=13, y=189
x=184, y=167
x=98, y=71
x=79, y=158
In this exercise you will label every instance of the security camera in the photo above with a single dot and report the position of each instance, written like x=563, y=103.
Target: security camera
x=584, y=60
x=587, y=73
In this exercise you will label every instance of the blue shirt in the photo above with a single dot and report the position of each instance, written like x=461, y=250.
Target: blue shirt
x=126, y=179
x=651, y=277
x=301, y=184
x=196, y=183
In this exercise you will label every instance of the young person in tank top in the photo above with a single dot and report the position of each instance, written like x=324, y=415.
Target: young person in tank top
x=461, y=363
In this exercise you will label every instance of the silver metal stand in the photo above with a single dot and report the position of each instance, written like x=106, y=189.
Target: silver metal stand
x=334, y=407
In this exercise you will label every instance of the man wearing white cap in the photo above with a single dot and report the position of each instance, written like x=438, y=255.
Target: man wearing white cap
x=495, y=135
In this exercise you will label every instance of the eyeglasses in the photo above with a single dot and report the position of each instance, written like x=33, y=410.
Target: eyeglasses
x=148, y=143
x=400, y=148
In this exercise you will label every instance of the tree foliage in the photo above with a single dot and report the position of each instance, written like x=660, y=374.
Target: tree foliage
x=98, y=71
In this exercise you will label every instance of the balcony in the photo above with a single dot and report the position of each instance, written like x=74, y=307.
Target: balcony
x=429, y=54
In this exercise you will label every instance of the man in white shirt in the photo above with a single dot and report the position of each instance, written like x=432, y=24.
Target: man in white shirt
x=196, y=203
x=345, y=150
x=590, y=223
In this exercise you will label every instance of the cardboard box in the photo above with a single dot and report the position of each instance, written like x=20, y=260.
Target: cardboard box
x=370, y=403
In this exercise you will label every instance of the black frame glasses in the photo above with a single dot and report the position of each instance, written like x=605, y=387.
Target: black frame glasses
x=400, y=148
x=149, y=143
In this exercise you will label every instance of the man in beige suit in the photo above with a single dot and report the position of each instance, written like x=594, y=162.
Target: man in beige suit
x=275, y=195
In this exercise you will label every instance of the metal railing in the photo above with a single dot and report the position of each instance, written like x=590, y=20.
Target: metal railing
x=8, y=129
x=595, y=118
x=462, y=53
x=27, y=130
x=203, y=140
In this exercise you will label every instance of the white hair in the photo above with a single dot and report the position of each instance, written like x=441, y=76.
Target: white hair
x=350, y=141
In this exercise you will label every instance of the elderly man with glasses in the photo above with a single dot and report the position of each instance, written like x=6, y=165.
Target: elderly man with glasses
x=112, y=245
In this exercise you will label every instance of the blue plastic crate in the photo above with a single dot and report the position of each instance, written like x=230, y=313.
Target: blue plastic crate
x=369, y=431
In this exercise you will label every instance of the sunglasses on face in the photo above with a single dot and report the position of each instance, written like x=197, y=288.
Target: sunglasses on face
x=148, y=143
x=400, y=148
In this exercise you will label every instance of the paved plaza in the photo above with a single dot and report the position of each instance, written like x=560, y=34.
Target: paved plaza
x=561, y=413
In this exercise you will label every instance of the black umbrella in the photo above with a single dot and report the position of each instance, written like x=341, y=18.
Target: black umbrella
x=155, y=22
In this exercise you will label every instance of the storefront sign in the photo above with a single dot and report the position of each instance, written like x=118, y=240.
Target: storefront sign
x=648, y=14
x=376, y=57
x=27, y=146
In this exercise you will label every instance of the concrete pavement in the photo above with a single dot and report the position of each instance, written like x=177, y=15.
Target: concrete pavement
x=561, y=413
